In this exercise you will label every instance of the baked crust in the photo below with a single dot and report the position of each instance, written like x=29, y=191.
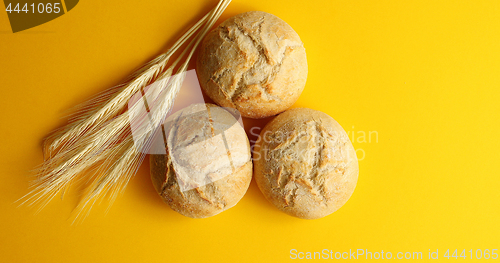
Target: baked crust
x=196, y=150
x=305, y=164
x=253, y=62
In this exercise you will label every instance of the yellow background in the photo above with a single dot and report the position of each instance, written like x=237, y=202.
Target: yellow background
x=425, y=75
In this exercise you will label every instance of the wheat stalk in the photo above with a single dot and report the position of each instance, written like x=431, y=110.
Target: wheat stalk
x=99, y=133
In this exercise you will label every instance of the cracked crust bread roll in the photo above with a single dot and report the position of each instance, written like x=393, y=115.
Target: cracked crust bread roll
x=207, y=166
x=305, y=164
x=253, y=62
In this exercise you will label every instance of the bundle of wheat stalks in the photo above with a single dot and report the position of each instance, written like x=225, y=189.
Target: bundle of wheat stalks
x=97, y=145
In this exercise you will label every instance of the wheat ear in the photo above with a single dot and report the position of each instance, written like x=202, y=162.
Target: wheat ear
x=99, y=134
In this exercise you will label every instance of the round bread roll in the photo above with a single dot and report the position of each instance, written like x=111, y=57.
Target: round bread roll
x=305, y=164
x=207, y=166
x=253, y=62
